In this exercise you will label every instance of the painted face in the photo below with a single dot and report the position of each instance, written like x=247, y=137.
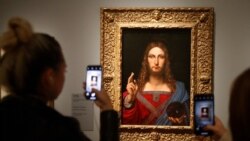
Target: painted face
x=156, y=59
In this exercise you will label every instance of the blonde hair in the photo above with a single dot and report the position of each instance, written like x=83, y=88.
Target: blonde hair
x=26, y=55
x=19, y=31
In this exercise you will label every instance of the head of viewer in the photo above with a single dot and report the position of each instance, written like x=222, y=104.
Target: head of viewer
x=32, y=64
x=239, y=107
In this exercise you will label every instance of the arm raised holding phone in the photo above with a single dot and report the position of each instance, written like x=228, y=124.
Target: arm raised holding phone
x=239, y=106
x=109, y=117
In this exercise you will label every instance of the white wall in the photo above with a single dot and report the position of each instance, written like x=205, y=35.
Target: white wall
x=76, y=25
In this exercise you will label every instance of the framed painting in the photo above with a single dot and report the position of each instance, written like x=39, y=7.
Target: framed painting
x=187, y=35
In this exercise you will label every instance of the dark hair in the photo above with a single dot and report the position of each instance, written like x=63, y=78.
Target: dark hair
x=144, y=72
x=26, y=56
x=239, y=107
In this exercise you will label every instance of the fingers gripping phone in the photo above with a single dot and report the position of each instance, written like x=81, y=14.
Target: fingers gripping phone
x=93, y=80
x=203, y=113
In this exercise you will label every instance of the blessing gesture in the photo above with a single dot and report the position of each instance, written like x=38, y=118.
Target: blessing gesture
x=132, y=88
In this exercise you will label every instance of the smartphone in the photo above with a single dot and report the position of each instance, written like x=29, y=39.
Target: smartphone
x=203, y=113
x=93, y=80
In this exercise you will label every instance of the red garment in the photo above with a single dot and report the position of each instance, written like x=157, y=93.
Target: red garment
x=147, y=114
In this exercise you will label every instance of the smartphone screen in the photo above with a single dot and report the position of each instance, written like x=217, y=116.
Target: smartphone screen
x=203, y=113
x=93, y=80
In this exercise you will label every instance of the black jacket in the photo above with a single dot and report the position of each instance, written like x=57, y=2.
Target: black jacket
x=29, y=119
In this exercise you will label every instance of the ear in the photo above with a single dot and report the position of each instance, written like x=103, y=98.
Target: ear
x=47, y=77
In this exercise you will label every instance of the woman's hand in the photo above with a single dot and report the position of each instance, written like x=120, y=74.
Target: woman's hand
x=218, y=129
x=131, y=89
x=102, y=99
x=178, y=120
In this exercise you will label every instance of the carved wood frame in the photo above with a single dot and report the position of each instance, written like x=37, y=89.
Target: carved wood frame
x=199, y=20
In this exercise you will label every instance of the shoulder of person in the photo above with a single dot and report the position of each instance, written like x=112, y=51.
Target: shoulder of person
x=109, y=113
x=179, y=84
x=13, y=103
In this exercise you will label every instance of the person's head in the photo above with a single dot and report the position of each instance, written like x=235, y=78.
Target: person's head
x=239, y=107
x=94, y=78
x=156, y=62
x=32, y=64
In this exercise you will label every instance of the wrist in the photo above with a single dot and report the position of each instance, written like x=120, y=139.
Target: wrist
x=128, y=102
x=107, y=108
x=131, y=97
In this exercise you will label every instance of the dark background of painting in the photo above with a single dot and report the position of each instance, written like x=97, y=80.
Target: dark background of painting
x=134, y=41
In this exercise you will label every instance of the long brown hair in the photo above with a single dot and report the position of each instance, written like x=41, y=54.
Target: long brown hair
x=144, y=72
x=239, y=107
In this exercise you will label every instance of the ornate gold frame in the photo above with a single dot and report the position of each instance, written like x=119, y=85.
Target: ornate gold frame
x=201, y=23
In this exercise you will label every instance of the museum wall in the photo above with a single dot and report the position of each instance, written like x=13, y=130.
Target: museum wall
x=76, y=25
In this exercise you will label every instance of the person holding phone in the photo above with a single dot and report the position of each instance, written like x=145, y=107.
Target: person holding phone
x=32, y=71
x=203, y=112
x=145, y=100
x=220, y=133
x=239, y=115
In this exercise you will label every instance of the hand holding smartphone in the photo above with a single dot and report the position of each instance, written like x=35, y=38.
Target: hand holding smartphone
x=203, y=113
x=93, y=80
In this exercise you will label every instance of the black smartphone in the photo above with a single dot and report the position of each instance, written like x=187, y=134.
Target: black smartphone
x=93, y=80
x=203, y=113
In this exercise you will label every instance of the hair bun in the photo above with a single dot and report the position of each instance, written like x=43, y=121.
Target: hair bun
x=21, y=28
x=19, y=31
